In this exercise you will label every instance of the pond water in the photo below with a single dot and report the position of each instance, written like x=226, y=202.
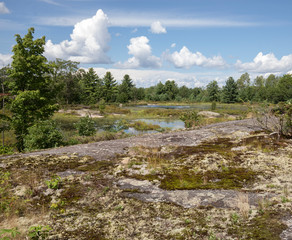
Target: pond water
x=163, y=123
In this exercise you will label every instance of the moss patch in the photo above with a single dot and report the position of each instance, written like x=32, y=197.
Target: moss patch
x=265, y=226
x=228, y=178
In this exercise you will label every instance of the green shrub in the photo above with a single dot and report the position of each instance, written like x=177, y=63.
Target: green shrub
x=6, y=150
x=86, y=126
x=143, y=126
x=101, y=106
x=38, y=232
x=42, y=135
x=191, y=119
x=7, y=234
x=54, y=182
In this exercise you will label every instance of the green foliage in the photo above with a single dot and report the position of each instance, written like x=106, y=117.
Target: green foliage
x=283, y=111
x=285, y=88
x=5, y=194
x=43, y=134
x=234, y=218
x=27, y=108
x=191, y=119
x=213, y=91
x=109, y=88
x=91, y=86
x=276, y=118
x=86, y=126
x=143, y=126
x=38, y=232
x=65, y=81
x=54, y=182
x=6, y=150
x=29, y=66
x=101, y=106
x=31, y=81
x=230, y=92
x=125, y=90
x=7, y=234
x=121, y=125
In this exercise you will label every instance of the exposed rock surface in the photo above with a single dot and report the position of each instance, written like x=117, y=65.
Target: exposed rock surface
x=222, y=181
x=107, y=149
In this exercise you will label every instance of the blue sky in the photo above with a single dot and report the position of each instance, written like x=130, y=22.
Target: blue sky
x=190, y=41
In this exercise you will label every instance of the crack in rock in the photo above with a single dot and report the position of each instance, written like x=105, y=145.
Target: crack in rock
x=146, y=191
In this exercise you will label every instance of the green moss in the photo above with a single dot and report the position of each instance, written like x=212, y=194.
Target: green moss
x=221, y=146
x=265, y=226
x=228, y=178
x=73, y=193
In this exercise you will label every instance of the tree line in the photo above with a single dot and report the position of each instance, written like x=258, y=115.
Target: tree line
x=68, y=84
x=37, y=87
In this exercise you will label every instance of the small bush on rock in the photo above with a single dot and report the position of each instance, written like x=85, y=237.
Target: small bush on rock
x=42, y=135
x=86, y=126
x=191, y=119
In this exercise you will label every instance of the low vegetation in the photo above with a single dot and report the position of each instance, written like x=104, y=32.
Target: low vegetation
x=74, y=197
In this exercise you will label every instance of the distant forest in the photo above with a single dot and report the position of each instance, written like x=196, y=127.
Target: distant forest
x=73, y=85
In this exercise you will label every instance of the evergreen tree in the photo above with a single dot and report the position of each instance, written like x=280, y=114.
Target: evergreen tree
x=109, y=88
x=170, y=89
x=230, y=92
x=213, y=91
x=91, y=86
x=126, y=90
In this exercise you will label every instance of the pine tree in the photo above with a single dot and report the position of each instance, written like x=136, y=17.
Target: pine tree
x=109, y=88
x=230, y=92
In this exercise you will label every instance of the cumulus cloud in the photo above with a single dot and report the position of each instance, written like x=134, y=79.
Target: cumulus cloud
x=142, y=55
x=157, y=28
x=150, y=77
x=5, y=59
x=266, y=63
x=186, y=59
x=88, y=44
x=3, y=8
x=146, y=78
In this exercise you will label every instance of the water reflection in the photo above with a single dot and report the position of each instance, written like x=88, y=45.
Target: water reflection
x=120, y=125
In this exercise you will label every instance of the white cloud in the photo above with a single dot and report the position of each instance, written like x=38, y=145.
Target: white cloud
x=186, y=59
x=3, y=8
x=173, y=45
x=88, y=44
x=142, y=55
x=157, y=28
x=145, y=19
x=5, y=59
x=146, y=78
x=266, y=63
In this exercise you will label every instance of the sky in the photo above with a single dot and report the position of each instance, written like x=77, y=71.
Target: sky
x=190, y=41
